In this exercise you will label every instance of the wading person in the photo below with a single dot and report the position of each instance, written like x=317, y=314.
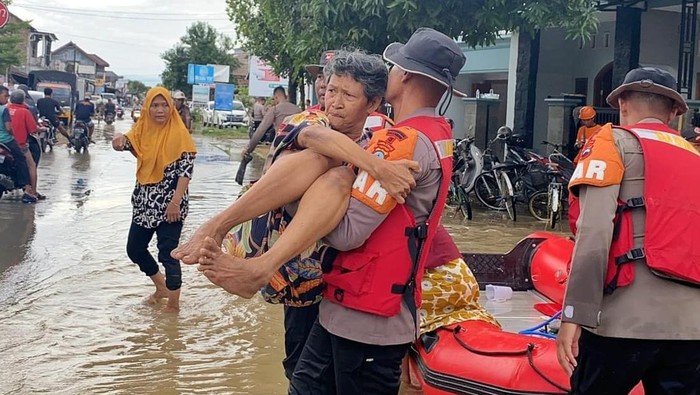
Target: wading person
x=273, y=118
x=630, y=309
x=23, y=126
x=367, y=318
x=165, y=154
x=297, y=285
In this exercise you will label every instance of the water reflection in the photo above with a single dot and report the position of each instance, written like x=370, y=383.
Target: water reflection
x=17, y=229
x=71, y=306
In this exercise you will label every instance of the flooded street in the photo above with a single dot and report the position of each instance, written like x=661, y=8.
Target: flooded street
x=71, y=312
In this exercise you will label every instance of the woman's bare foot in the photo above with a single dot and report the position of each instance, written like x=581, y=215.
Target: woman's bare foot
x=156, y=297
x=189, y=252
x=235, y=275
x=173, y=305
x=161, y=290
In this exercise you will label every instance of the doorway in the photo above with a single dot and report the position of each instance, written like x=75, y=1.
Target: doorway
x=602, y=85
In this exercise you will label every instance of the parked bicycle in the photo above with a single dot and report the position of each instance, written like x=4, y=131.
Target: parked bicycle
x=551, y=205
x=516, y=180
x=468, y=163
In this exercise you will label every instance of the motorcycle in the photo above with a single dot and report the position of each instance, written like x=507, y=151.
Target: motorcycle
x=120, y=113
x=47, y=137
x=80, y=138
x=135, y=114
x=8, y=170
x=109, y=118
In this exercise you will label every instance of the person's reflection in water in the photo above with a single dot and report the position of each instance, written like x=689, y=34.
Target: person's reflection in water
x=80, y=190
x=17, y=229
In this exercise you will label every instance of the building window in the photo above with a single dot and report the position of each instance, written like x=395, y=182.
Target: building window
x=606, y=40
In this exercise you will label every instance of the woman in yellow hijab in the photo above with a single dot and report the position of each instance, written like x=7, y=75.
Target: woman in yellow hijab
x=165, y=154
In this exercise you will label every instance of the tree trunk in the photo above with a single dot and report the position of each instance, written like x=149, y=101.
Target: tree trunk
x=292, y=94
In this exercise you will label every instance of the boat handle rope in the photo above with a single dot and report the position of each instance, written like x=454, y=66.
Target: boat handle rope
x=528, y=352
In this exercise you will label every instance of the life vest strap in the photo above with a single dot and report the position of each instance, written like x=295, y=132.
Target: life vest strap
x=632, y=203
x=630, y=256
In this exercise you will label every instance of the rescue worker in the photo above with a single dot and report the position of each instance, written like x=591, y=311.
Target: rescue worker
x=630, y=309
x=369, y=309
x=182, y=109
x=297, y=285
x=316, y=72
x=587, y=116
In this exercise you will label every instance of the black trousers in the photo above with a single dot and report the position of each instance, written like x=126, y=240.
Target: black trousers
x=168, y=239
x=333, y=365
x=613, y=366
x=298, y=322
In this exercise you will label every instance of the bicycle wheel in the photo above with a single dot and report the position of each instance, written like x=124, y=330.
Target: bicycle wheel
x=487, y=192
x=465, y=206
x=538, y=206
x=507, y=194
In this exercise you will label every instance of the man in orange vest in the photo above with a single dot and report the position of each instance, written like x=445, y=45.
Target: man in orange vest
x=587, y=116
x=316, y=71
x=630, y=310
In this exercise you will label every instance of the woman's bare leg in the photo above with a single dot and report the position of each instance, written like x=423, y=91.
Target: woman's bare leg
x=285, y=182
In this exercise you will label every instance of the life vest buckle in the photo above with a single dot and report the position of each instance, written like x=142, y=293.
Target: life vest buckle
x=635, y=202
x=631, y=255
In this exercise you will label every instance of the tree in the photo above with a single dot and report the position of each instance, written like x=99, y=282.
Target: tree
x=11, y=53
x=290, y=34
x=201, y=44
x=137, y=88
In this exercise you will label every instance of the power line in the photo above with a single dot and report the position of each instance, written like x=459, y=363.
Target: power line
x=110, y=12
x=98, y=14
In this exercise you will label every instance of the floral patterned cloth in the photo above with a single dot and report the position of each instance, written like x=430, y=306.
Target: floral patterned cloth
x=450, y=296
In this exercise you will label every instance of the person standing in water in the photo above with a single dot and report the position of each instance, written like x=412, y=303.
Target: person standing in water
x=165, y=154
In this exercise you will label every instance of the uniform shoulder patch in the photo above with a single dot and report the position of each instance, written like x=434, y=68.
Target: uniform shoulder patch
x=600, y=163
x=389, y=144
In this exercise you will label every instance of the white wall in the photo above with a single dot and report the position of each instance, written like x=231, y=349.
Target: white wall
x=562, y=62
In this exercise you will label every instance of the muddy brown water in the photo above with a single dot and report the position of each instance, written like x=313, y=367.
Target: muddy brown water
x=72, y=318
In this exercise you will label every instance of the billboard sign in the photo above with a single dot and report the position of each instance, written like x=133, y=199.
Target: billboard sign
x=200, y=93
x=200, y=74
x=223, y=97
x=262, y=80
x=221, y=73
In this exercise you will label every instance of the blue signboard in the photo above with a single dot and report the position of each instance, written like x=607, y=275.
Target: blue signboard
x=223, y=97
x=200, y=74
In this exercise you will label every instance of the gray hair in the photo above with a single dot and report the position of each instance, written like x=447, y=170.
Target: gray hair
x=17, y=96
x=368, y=70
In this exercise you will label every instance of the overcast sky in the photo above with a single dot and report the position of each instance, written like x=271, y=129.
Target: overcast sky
x=129, y=34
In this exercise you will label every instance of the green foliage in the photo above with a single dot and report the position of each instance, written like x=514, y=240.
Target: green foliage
x=201, y=44
x=11, y=50
x=137, y=88
x=290, y=34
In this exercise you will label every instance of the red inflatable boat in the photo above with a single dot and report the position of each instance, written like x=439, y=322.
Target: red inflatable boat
x=478, y=358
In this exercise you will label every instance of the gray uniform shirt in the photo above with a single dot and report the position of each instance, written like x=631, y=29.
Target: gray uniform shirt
x=273, y=117
x=355, y=228
x=650, y=307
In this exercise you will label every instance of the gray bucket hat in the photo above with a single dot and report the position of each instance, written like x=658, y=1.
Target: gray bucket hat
x=650, y=80
x=430, y=54
x=316, y=69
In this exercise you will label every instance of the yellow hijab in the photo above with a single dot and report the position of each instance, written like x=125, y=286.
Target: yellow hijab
x=157, y=146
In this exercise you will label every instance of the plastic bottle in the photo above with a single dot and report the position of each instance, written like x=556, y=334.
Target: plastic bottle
x=478, y=94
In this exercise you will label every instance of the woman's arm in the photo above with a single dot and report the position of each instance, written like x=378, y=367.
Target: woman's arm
x=396, y=177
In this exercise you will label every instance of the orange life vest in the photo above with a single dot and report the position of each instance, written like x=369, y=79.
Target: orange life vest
x=670, y=250
x=375, y=277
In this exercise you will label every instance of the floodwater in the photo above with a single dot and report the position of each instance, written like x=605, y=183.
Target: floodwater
x=72, y=316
